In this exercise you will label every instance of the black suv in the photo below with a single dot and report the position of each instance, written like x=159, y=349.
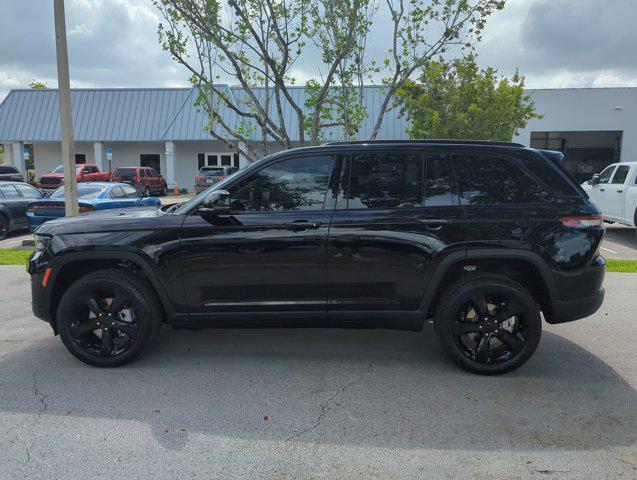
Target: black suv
x=480, y=237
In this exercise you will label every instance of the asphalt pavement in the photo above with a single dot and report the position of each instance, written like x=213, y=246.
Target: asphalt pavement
x=318, y=404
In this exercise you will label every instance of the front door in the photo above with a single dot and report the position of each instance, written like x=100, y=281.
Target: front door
x=615, y=192
x=268, y=255
x=597, y=192
x=388, y=231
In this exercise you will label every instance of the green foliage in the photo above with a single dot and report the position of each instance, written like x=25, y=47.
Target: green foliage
x=459, y=100
x=623, y=266
x=36, y=84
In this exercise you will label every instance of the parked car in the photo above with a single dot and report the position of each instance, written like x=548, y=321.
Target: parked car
x=14, y=199
x=92, y=196
x=145, y=179
x=614, y=191
x=11, y=174
x=480, y=237
x=208, y=176
x=84, y=173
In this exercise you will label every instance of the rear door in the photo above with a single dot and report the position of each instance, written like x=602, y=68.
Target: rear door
x=118, y=197
x=397, y=213
x=615, y=193
x=16, y=205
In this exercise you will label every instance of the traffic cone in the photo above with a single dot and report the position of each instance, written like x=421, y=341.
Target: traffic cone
x=176, y=189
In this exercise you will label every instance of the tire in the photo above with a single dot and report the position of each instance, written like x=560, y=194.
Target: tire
x=164, y=190
x=147, y=191
x=500, y=340
x=135, y=321
x=4, y=227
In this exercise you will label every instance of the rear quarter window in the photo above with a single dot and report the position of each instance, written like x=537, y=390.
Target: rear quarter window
x=493, y=180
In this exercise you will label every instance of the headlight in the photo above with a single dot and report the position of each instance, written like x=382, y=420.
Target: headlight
x=41, y=241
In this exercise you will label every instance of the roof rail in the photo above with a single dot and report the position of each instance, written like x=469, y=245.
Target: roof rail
x=427, y=141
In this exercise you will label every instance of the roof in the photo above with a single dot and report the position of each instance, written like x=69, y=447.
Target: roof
x=155, y=114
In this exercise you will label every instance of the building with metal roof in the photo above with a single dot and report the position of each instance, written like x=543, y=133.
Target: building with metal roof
x=162, y=127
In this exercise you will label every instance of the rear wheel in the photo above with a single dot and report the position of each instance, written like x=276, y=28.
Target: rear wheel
x=108, y=318
x=488, y=325
x=4, y=227
x=164, y=190
x=146, y=191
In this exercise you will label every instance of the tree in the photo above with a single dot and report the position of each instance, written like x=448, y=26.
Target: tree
x=36, y=84
x=459, y=100
x=259, y=42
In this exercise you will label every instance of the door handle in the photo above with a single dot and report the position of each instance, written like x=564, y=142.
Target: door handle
x=602, y=189
x=434, y=223
x=619, y=191
x=301, y=225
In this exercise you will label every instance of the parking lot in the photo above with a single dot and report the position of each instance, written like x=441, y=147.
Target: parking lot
x=318, y=404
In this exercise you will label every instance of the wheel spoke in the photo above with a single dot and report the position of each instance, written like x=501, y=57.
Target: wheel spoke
x=503, y=314
x=117, y=304
x=80, y=328
x=94, y=306
x=129, y=329
x=513, y=342
x=479, y=302
x=107, y=343
x=481, y=353
x=462, y=328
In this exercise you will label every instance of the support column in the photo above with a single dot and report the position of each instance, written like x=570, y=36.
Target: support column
x=17, y=156
x=170, y=164
x=99, y=155
x=243, y=161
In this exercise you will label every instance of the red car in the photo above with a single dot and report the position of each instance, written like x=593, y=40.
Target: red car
x=145, y=179
x=84, y=173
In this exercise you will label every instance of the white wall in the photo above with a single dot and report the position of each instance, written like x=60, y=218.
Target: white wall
x=586, y=109
x=48, y=155
x=186, y=166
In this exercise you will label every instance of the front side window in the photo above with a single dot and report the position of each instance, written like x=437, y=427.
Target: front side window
x=620, y=174
x=385, y=180
x=488, y=180
x=27, y=191
x=604, y=177
x=294, y=184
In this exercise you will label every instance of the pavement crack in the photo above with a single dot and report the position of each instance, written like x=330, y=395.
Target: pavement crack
x=325, y=407
x=40, y=395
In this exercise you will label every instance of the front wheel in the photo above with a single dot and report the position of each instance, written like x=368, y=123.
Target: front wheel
x=147, y=191
x=488, y=325
x=108, y=318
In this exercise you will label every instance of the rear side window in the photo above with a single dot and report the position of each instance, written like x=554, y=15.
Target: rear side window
x=125, y=172
x=438, y=182
x=385, y=180
x=489, y=180
x=9, y=191
x=620, y=174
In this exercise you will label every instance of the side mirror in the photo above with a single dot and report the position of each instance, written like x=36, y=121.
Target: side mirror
x=594, y=179
x=216, y=203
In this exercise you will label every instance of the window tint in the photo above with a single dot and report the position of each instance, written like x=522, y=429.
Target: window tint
x=5, y=169
x=604, y=177
x=83, y=191
x=152, y=173
x=438, y=182
x=385, y=180
x=130, y=192
x=117, y=192
x=295, y=184
x=492, y=180
x=27, y=191
x=9, y=191
x=620, y=174
x=125, y=172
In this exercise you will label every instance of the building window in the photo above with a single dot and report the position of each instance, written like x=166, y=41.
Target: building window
x=217, y=160
x=80, y=158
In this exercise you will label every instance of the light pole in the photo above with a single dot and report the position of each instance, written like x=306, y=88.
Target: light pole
x=66, y=122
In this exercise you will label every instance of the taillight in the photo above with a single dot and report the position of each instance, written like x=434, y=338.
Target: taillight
x=583, y=222
x=86, y=209
x=44, y=206
x=218, y=179
x=198, y=178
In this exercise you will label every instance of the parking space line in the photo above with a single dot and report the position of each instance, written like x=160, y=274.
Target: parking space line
x=609, y=250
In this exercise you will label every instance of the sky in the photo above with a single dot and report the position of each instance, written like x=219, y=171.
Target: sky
x=113, y=43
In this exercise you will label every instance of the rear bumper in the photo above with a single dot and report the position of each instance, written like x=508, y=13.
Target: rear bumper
x=567, y=311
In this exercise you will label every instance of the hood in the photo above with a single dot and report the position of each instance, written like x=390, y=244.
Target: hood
x=53, y=175
x=113, y=220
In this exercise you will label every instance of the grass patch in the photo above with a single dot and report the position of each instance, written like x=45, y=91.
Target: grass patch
x=624, y=266
x=14, y=257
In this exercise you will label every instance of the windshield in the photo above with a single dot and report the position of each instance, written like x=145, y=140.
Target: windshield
x=85, y=192
x=125, y=172
x=183, y=208
x=60, y=169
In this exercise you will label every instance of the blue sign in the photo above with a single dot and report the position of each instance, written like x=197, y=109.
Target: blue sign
x=25, y=152
x=109, y=151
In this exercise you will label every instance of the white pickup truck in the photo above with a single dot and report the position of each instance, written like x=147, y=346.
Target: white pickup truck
x=614, y=191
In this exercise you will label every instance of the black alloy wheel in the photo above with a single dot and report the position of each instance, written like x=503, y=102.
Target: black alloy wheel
x=489, y=325
x=107, y=318
x=4, y=227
